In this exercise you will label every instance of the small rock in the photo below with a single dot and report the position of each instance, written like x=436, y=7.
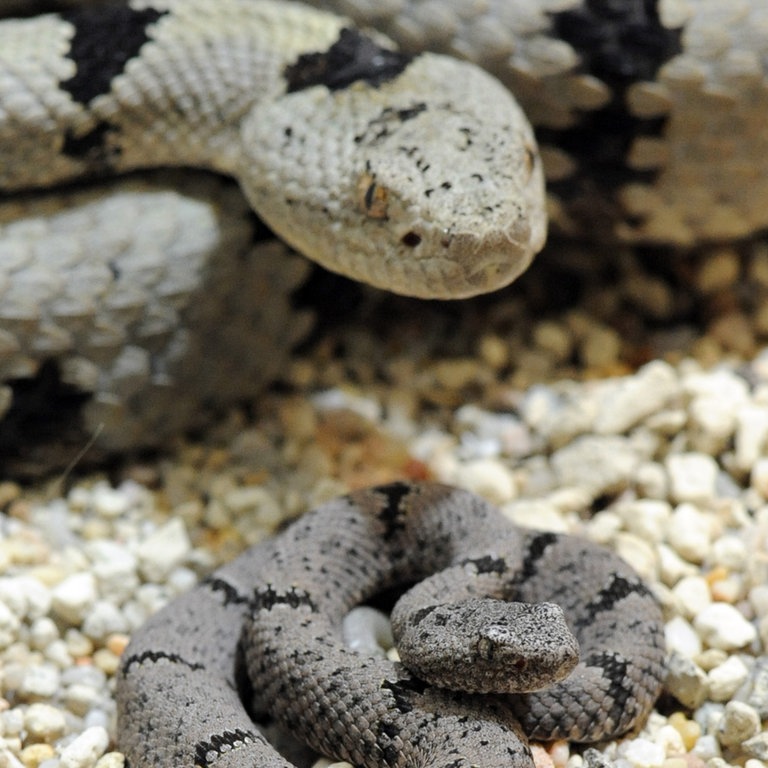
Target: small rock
x=757, y=746
x=692, y=593
x=682, y=638
x=739, y=723
x=86, y=749
x=104, y=619
x=633, y=398
x=163, y=550
x=111, y=760
x=726, y=678
x=642, y=753
x=9, y=626
x=601, y=464
x=751, y=441
x=488, y=478
x=39, y=682
x=759, y=477
x=44, y=722
x=689, y=533
x=74, y=597
x=686, y=681
x=722, y=626
x=692, y=476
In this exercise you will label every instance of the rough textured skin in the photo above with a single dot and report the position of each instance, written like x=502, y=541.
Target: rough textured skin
x=181, y=687
x=332, y=137
x=649, y=115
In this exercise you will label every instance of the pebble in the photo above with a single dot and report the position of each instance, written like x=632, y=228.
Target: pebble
x=757, y=746
x=86, y=749
x=722, y=626
x=692, y=477
x=689, y=533
x=739, y=723
x=631, y=399
x=74, y=597
x=44, y=722
x=686, y=681
x=601, y=464
x=725, y=679
x=163, y=550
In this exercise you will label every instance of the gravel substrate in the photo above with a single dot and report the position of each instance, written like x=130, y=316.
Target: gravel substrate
x=623, y=403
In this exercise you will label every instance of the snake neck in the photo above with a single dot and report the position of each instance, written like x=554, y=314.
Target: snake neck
x=97, y=91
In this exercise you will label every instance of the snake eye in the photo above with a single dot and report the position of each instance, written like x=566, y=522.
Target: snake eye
x=411, y=239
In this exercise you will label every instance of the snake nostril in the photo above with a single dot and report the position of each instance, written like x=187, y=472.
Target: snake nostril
x=411, y=239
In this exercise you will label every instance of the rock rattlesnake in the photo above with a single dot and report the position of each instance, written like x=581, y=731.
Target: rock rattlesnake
x=182, y=684
x=650, y=117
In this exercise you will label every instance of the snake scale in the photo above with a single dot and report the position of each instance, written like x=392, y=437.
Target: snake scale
x=649, y=115
x=182, y=686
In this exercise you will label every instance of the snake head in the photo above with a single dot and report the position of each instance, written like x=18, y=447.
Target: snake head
x=428, y=184
x=485, y=645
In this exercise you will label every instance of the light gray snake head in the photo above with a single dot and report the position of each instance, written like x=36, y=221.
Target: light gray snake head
x=509, y=647
x=430, y=182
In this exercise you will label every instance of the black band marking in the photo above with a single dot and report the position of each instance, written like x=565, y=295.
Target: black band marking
x=231, y=595
x=393, y=515
x=606, y=599
x=620, y=43
x=266, y=598
x=207, y=752
x=104, y=40
x=351, y=58
x=155, y=656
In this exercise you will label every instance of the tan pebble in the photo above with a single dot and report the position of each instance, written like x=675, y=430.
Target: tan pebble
x=494, y=351
x=560, y=751
x=675, y=762
x=111, y=760
x=106, y=661
x=9, y=491
x=116, y=643
x=688, y=729
x=541, y=758
x=734, y=332
x=35, y=754
x=718, y=271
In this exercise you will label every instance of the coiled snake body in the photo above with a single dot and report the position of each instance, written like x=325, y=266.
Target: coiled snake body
x=181, y=688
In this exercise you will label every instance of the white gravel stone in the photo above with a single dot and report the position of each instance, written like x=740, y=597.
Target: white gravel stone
x=27, y=597
x=739, y=723
x=692, y=476
x=9, y=626
x=114, y=567
x=726, y=678
x=109, y=502
x=643, y=753
x=601, y=464
x=682, y=638
x=751, y=441
x=86, y=749
x=757, y=746
x=633, y=398
x=104, y=619
x=41, y=681
x=706, y=747
x=692, y=593
x=647, y=518
x=74, y=597
x=163, y=550
x=759, y=477
x=686, y=681
x=44, y=722
x=689, y=533
x=489, y=478
x=672, y=567
x=723, y=626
